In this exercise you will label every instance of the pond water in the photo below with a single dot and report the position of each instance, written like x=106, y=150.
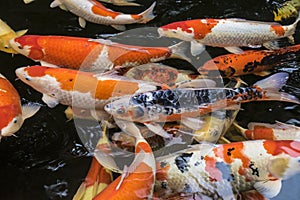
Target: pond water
x=47, y=160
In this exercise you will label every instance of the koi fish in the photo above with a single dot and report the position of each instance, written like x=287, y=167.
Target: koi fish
x=160, y=73
x=136, y=181
x=79, y=89
x=187, y=104
x=222, y=171
x=12, y=114
x=249, y=62
x=6, y=34
x=228, y=33
x=95, y=12
x=89, y=54
x=277, y=131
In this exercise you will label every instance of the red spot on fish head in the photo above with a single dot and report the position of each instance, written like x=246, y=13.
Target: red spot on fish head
x=29, y=46
x=201, y=27
x=289, y=147
x=36, y=71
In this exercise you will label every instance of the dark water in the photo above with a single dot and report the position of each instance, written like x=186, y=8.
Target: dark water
x=47, y=159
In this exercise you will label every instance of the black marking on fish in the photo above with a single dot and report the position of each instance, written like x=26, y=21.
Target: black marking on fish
x=254, y=169
x=163, y=164
x=250, y=66
x=197, y=163
x=187, y=188
x=230, y=150
x=225, y=170
x=163, y=185
x=182, y=162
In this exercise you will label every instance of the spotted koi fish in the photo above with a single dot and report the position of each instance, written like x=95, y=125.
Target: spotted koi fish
x=89, y=54
x=249, y=62
x=277, y=131
x=187, y=104
x=93, y=11
x=223, y=171
x=6, y=34
x=228, y=33
x=79, y=89
x=12, y=114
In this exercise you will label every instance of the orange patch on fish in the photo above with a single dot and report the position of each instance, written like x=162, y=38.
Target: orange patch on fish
x=101, y=10
x=210, y=167
x=278, y=30
x=292, y=148
x=260, y=132
x=201, y=27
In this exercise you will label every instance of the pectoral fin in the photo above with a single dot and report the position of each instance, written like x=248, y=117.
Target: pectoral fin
x=21, y=32
x=82, y=22
x=192, y=122
x=235, y=50
x=28, y=110
x=268, y=189
x=119, y=27
x=55, y=3
x=157, y=129
x=197, y=48
x=50, y=101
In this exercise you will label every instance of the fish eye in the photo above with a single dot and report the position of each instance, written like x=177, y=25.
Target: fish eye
x=15, y=120
x=174, y=31
x=6, y=47
x=20, y=47
x=27, y=78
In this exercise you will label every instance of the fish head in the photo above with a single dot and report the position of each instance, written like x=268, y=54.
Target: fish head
x=285, y=161
x=37, y=78
x=124, y=109
x=28, y=46
x=11, y=120
x=179, y=30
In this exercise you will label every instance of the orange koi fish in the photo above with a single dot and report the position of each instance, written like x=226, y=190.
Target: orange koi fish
x=136, y=181
x=89, y=54
x=277, y=131
x=187, y=104
x=79, y=89
x=249, y=62
x=228, y=33
x=95, y=12
x=224, y=171
x=12, y=114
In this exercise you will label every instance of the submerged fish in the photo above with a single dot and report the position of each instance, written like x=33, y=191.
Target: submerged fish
x=223, y=171
x=79, y=89
x=187, y=104
x=6, y=34
x=277, y=131
x=91, y=54
x=12, y=114
x=94, y=11
x=228, y=33
x=249, y=62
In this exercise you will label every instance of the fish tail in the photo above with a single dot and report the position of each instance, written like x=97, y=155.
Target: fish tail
x=179, y=51
x=147, y=15
x=273, y=84
x=28, y=1
x=293, y=26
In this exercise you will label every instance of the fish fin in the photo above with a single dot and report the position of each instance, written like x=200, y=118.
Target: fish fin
x=196, y=83
x=192, y=122
x=28, y=1
x=291, y=39
x=28, y=110
x=119, y=27
x=273, y=84
x=178, y=51
x=197, y=48
x=277, y=166
x=147, y=15
x=129, y=128
x=239, y=128
x=50, y=101
x=252, y=195
x=269, y=189
x=272, y=45
x=43, y=63
x=82, y=22
x=103, y=41
x=235, y=50
x=21, y=32
x=157, y=129
x=69, y=113
x=263, y=73
x=55, y=3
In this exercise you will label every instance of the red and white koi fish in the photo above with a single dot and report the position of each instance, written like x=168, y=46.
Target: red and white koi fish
x=12, y=114
x=224, y=171
x=6, y=34
x=89, y=54
x=79, y=89
x=93, y=11
x=187, y=104
x=249, y=62
x=277, y=131
x=228, y=33
x=136, y=181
